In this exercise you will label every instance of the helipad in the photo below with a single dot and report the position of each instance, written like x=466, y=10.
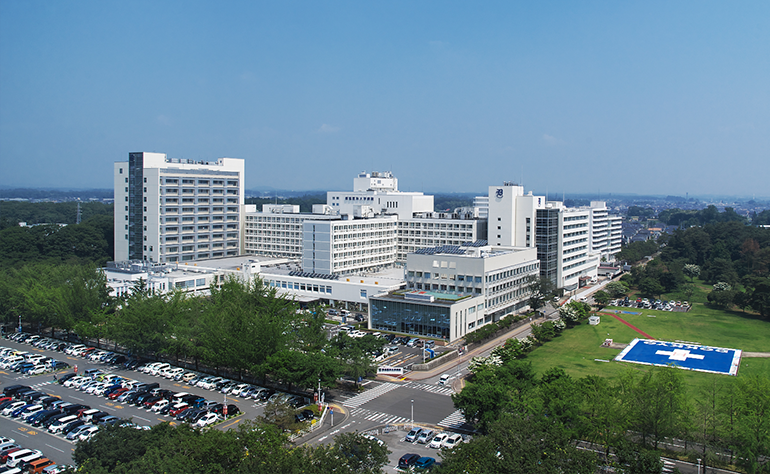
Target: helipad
x=716, y=360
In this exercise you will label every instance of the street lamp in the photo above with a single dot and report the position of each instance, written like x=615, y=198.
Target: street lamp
x=698, y=466
x=412, y=414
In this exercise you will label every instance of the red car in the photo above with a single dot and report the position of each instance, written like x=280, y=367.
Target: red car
x=5, y=454
x=176, y=411
x=114, y=395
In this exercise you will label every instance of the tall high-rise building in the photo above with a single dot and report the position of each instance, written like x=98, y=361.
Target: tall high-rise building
x=177, y=210
x=563, y=236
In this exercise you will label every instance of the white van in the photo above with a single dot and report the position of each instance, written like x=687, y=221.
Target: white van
x=443, y=379
x=86, y=415
x=59, y=424
x=15, y=457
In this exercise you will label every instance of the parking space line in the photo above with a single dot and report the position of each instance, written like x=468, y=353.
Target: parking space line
x=54, y=447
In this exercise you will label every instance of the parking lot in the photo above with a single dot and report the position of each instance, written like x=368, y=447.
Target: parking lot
x=60, y=449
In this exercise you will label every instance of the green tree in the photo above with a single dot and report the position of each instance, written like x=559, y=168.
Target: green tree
x=359, y=454
x=753, y=423
x=602, y=298
x=691, y=271
x=541, y=291
x=495, y=391
x=659, y=398
x=616, y=289
x=519, y=443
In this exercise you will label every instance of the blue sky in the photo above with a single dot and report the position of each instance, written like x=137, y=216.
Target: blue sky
x=605, y=97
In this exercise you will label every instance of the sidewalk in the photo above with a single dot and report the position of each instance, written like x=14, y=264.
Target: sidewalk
x=448, y=367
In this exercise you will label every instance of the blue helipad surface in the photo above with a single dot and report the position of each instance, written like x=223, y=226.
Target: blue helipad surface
x=716, y=360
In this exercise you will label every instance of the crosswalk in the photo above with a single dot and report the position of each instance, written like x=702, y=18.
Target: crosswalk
x=455, y=420
x=376, y=416
x=41, y=385
x=369, y=395
x=439, y=389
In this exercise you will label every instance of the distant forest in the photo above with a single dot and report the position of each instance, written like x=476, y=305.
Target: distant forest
x=57, y=194
x=13, y=212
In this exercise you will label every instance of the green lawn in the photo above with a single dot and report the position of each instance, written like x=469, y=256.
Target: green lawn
x=575, y=350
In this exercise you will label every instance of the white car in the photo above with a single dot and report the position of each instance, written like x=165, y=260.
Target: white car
x=236, y=390
x=156, y=370
x=38, y=369
x=70, y=383
x=172, y=373
x=29, y=411
x=159, y=406
x=87, y=433
x=12, y=407
x=451, y=441
x=207, y=419
x=438, y=441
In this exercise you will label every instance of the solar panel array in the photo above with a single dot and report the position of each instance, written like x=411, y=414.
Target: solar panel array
x=314, y=275
x=450, y=249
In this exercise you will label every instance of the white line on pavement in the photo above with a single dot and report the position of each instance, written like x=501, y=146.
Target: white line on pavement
x=54, y=447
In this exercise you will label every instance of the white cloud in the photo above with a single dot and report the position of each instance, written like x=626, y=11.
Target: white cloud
x=326, y=128
x=551, y=140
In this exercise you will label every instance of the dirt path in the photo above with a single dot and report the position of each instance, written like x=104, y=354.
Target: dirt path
x=755, y=354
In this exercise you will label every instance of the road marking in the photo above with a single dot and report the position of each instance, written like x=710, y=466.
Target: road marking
x=322, y=438
x=76, y=398
x=234, y=422
x=54, y=447
x=145, y=419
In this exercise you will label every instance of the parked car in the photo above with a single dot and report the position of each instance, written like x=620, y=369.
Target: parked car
x=437, y=441
x=451, y=441
x=424, y=463
x=407, y=460
x=207, y=419
x=413, y=434
x=425, y=437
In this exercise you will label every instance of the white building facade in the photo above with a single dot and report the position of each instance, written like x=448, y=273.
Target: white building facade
x=562, y=236
x=176, y=210
x=454, y=290
x=432, y=229
x=346, y=246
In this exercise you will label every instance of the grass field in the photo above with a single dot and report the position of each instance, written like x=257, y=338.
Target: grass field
x=576, y=349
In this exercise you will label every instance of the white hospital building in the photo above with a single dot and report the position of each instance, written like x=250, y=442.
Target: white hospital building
x=570, y=242
x=176, y=210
